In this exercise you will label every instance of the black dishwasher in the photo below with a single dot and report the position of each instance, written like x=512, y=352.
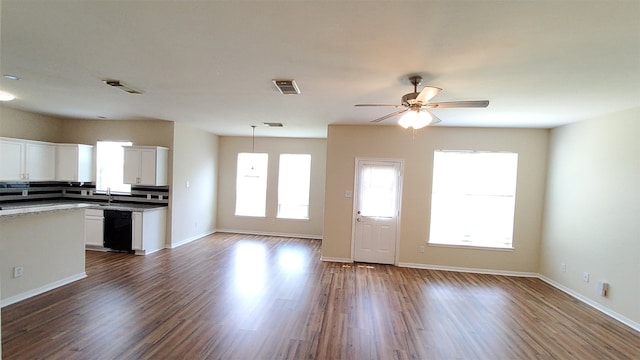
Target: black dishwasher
x=117, y=230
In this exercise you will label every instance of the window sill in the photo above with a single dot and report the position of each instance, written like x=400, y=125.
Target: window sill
x=472, y=247
x=293, y=219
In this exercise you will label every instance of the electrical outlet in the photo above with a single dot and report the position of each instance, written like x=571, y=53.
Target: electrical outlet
x=585, y=277
x=18, y=271
x=421, y=249
x=563, y=267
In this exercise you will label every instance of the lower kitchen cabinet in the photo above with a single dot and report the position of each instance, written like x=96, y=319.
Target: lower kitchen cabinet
x=149, y=230
x=93, y=227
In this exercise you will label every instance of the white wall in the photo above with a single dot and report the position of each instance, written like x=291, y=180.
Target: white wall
x=345, y=143
x=194, y=207
x=592, y=212
x=229, y=149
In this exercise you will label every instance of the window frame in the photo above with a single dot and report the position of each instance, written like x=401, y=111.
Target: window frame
x=509, y=193
x=308, y=198
x=118, y=190
x=264, y=167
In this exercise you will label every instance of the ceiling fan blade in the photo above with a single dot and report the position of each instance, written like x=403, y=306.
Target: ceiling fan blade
x=389, y=115
x=377, y=105
x=435, y=118
x=427, y=93
x=458, y=104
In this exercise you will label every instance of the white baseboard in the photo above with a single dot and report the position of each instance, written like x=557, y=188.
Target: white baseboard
x=267, y=233
x=190, y=239
x=334, y=259
x=469, y=270
x=42, y=289
x=623, y=319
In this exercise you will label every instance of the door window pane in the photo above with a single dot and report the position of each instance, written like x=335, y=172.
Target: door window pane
x=378, y=188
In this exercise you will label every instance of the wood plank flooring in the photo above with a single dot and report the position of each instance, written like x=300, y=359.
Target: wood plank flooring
x=233, y=296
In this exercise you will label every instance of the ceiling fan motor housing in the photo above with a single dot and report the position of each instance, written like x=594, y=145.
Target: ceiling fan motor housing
x=410, y=98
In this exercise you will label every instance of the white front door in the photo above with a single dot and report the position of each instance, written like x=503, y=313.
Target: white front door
x=376, y=210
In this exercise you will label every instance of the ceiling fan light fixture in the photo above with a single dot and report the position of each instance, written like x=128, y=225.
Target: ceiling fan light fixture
x=5, y=96
x=415, y=119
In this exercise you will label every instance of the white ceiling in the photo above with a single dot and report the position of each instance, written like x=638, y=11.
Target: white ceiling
x=210, y=63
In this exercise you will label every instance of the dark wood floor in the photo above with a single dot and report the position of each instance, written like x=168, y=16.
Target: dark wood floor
x=247, y=297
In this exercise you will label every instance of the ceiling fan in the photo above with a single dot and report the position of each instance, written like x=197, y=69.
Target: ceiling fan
x=416, y=106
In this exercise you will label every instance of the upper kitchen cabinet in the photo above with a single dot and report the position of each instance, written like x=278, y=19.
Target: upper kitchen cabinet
x=25, y=160
x=145, y=165
x=74, y=162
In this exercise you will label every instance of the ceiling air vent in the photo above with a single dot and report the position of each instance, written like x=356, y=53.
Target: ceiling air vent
x=119, y=85
x=273, y=124
x=287, y=87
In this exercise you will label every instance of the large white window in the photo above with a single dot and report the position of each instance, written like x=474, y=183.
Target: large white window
x=294, y=178
x=473, y=198
x=110, y=165
x=251, y=184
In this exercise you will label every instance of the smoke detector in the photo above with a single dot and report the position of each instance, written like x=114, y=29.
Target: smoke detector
x=118, y=84
x=287, y=87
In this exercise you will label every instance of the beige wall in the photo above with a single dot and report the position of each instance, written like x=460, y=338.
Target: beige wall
x=24, y=125
x=592, y=212
x=229, y=149
x=345, y=143
x=50, y=248
x=140, y=132
x=195, y=154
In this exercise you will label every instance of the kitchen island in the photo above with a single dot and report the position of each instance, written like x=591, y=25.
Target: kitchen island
x=41, y=248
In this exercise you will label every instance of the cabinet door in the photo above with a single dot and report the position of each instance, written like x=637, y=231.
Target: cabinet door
x=67, y=163
x=11, y=160
x=93, y=230
x=41, y=161
x=131, y=166
x=147, y=174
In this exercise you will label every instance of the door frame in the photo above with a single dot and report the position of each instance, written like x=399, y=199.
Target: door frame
x=355, y=202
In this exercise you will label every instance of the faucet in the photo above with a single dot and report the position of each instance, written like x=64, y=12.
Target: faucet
x=109, y=198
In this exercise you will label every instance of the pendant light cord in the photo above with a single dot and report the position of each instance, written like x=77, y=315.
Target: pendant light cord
x=253, y=138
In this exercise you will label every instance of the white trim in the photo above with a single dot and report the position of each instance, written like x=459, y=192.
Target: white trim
x=268, y=233
x=469, y=270
x=42, y=289
x=188, y=240
x=623, y=319
x=335, y=259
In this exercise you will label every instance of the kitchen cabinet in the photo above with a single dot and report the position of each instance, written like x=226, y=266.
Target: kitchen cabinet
x=93, y=227
x=74, y=162
x=149, y=229
x=145, y=165
x=25, y=160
